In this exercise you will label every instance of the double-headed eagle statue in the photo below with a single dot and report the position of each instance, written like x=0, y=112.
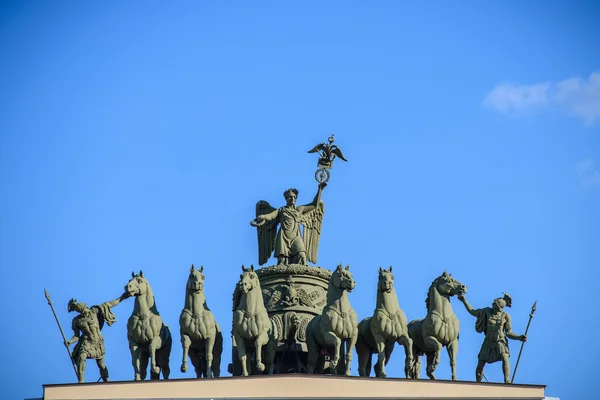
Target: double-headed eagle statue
x=289, y=244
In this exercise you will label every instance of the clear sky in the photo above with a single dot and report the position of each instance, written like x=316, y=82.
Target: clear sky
x=140, y=135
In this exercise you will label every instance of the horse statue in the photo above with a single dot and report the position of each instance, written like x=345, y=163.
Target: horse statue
x=378, y=334
x=252, y=328
x=148, y=336
x=337, y=325
x=438, y=329
x=201, y=336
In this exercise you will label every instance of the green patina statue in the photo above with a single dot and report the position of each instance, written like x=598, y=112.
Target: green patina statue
x=201, y=336
x=252, y=328
x=87, y=333
x=495, y=323
x=438, y=329
x=336, y=327
x=379, y=333
x=149, y=337
x=287, y=243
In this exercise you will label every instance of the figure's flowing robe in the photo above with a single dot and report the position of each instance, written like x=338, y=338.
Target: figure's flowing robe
x=289, y=240
x=92, y=345
x=494, y=326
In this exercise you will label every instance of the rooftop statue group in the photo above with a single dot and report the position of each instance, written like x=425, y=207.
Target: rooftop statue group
x=293, y=306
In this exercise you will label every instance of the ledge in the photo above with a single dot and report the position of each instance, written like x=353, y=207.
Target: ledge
x=298, y=386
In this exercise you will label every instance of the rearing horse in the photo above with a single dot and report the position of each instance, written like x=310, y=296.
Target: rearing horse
x=378, y=334
x=439, y=328
x=252, y=328
x=147, y=334
x=337, y=325
x=201, y=336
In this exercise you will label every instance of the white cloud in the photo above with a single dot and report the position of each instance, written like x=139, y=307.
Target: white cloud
x=509, y=97
x=587, y=172
x=579, y=97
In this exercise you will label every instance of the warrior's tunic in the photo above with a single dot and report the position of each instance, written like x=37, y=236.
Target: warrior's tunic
x=495, y=327
x=89, y=323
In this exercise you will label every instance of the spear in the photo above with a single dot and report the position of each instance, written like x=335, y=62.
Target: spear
x=61, y=330
x=523, y=343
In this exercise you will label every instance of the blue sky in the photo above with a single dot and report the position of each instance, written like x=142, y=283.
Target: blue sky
x=140, y=136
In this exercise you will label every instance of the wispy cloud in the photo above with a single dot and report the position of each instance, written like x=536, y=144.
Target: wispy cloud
x=587, y=172
x=578, y=97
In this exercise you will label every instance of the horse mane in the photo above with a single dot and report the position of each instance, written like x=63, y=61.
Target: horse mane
x=431, y=287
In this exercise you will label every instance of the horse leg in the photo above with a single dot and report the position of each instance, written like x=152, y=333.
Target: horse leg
x=364, y=353
x=261, y=340
x=135, y=351
x=350, y=344
x=209, y=344
x=103, y=369
x=452, y=352
x=154, y=344
x=143, y=357
x=313, y=352
x=407, y=342
x=415, y=370
x=270, y=353
x=216, y=365
x=380, y=343
x=332, y=341
x=241, y=348
x=186, y=342
x=432, y=362
x=341, y=367
x=164, y=352
x=197, y=363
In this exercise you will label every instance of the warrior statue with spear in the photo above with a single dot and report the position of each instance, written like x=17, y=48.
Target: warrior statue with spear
x=495, y=323
x=86, y=332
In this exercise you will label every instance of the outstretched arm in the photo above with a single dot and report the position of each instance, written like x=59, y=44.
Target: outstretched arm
x=510, y=334
x=315, y=202
x=469, y=308
x=116, y=301
x=267, y=217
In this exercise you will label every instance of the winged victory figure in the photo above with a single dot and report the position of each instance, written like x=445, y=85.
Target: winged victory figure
x=288, y=244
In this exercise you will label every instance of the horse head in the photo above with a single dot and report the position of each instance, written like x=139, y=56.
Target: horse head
x=137, y=285
x=386, y=280
x=195, y=281
x=342, y=278
x=448, y=286
x=248, y=280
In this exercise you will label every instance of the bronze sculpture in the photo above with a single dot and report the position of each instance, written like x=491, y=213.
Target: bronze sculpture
x=87, y=326
x=148, y=336
x=287, y=243
x=336, y=326
x=201, y=336
x=379, y=333
x=496, y=324
x=439, y=328
x=252, y=328
x=300, y=313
